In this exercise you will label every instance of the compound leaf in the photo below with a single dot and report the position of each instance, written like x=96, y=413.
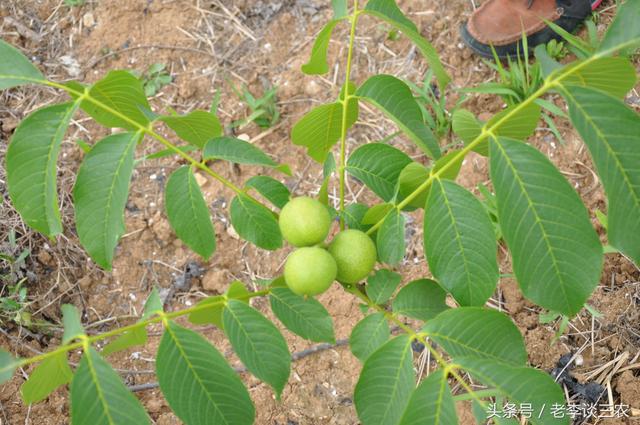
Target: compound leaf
x=421, y=299
x=321, y=128
x=431, y=403
x=390, y=238
x=368, y=335
x=258, y=343
x=378, y=166
x=31, y=166
x=394, y=98
x=520, y=384
x=100, y=195
x=460, y=243
x=53, y=372
x=515, y=122
x=188, y=212
x=196, y=380
x=611, y=131
x=98, y=396
x=386, y=383
x=118, y=100
x=382, y=284
x=197, y=127
x=303, y=316
x=274, y=191
x=255, y=223
x=15, y=68
x=479, y=332
x=317, y=64
x=557, y=255
x=388, y=11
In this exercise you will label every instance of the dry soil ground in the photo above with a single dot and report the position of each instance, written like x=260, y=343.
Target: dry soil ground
x=204, y=43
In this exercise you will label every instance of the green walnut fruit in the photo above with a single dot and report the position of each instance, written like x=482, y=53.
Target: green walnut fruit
x=304, y=222
x=310, y=271
x=355, y=254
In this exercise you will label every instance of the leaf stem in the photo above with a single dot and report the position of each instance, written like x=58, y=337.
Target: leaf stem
x=87, y=340
x=346, y=98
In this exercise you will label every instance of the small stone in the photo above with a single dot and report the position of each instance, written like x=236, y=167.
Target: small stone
x=214, y=280
x=85, y=282
x=88, y=20
x=201, y=180
x=45, y=258
x=232, y=232
x=312, y=88
x=244, y=136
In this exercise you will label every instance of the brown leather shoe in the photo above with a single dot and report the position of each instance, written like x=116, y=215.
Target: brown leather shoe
x=501, y=23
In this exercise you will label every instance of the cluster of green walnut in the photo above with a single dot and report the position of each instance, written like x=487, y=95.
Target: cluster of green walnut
x=312, y=268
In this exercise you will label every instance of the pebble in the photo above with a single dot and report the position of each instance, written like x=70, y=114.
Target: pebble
x=88, y=20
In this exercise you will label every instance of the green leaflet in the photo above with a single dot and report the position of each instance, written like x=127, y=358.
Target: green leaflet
x=188, y=212
x=368, y=335
x=392, y=96
x=390, y=238
x=8, y=365
x=421, y=299
x=303, y=316
x=196, y=380
x=258, y=343
x=274, y=191
x=31, y=166
x=597, y=75
x=520, y=385
x=98, y=396
x=100, y=195
x=353, y=216
x=317, y=64
x=624, y=30
x=611, y=131
x=378, y=166
x=45, y=378
x=386, y=383
x=238, y=151
x=321, y=128
x=339, y=8
x=460, y=243
x=197, y=127
x=557, y=256
x=15, y=68
x=479, y=332
x=388, y=11
x=118, y=100
x=468, y=127
x=382, y=284
x=71, y=323
x=255, y=223
x=431, y=403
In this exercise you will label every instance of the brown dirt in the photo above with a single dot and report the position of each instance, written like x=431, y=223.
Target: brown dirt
x=263, y=42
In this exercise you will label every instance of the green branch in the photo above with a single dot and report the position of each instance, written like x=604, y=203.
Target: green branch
x=346, y=98
x=88, y=340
